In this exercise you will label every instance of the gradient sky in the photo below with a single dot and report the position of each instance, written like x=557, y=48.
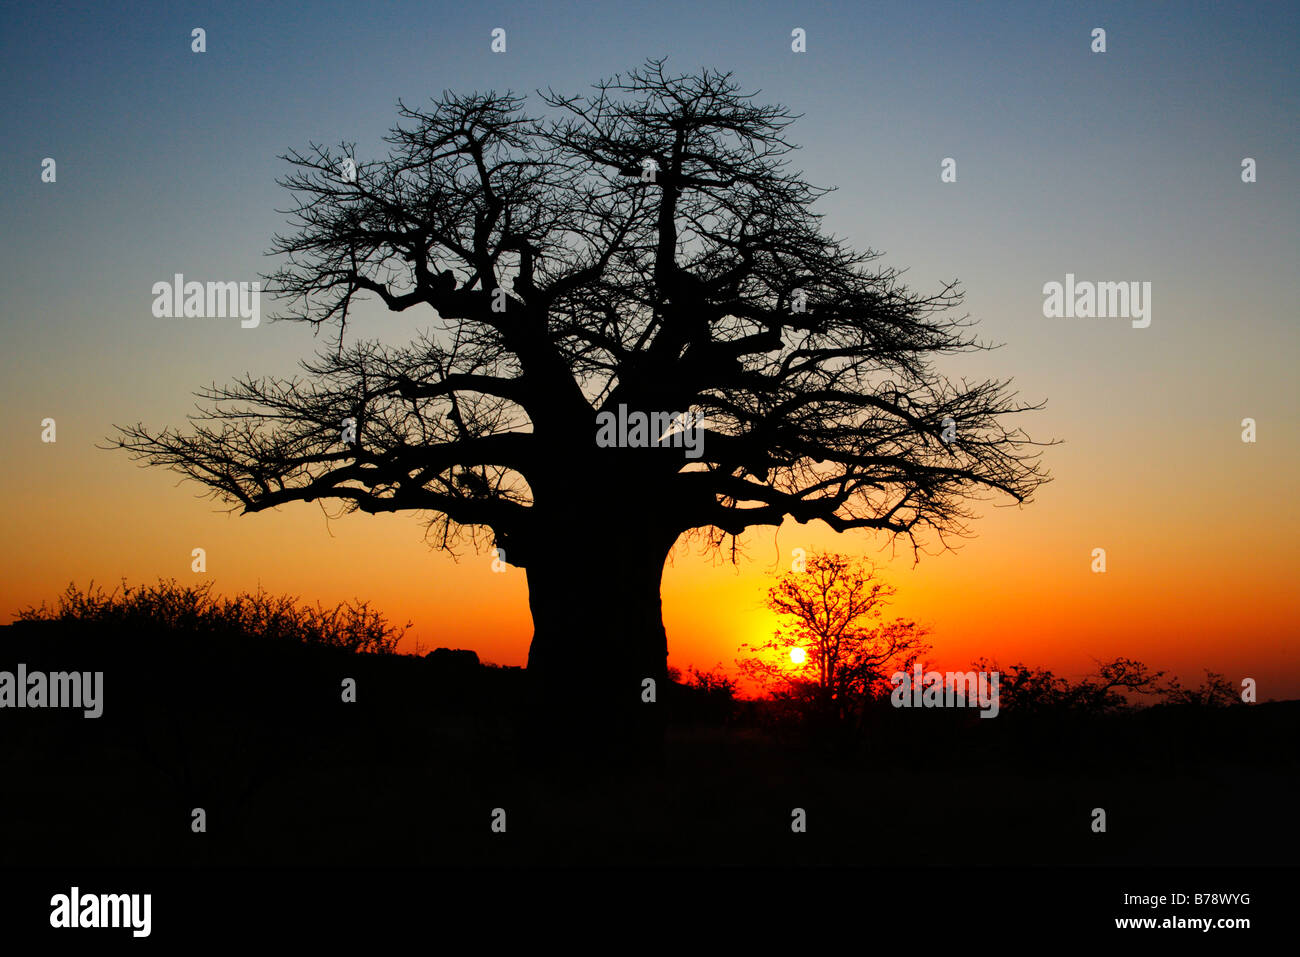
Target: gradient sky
x=1115, y=166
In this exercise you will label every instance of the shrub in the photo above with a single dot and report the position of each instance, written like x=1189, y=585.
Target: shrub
x=192, y=611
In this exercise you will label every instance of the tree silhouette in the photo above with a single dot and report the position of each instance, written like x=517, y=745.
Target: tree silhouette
x=831, y=612
x=644, y=247
x=1036, y=691
x=1217, y=691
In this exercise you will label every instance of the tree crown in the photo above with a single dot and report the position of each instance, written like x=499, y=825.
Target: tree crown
x=646, y=246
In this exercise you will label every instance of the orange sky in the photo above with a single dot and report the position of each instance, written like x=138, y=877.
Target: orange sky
x=1186, y=588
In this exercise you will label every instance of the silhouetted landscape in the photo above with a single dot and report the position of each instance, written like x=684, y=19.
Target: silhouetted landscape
x=603, y=459
x=252, y=729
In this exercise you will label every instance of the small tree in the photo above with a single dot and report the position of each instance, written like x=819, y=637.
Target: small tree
x=833, y=654
x=1033, y=690
x=1103, y=691
x=1217, y=691
x=714, y=682
x=707, y=695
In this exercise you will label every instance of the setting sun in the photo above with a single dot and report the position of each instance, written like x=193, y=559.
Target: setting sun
x=797, y=656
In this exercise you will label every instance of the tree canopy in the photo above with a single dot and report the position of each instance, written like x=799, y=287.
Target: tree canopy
x=646, y=245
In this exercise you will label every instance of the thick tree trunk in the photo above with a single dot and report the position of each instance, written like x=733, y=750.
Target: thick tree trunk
x=598, y=639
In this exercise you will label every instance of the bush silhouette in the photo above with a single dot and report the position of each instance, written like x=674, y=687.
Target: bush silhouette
x=192, y=611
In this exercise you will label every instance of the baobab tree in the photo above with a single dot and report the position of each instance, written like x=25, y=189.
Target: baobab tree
x=644, y=250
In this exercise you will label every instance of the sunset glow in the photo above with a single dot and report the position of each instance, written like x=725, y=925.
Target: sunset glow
x=1141, y=471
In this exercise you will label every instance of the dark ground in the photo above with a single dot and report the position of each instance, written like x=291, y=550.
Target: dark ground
x=288, y=774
